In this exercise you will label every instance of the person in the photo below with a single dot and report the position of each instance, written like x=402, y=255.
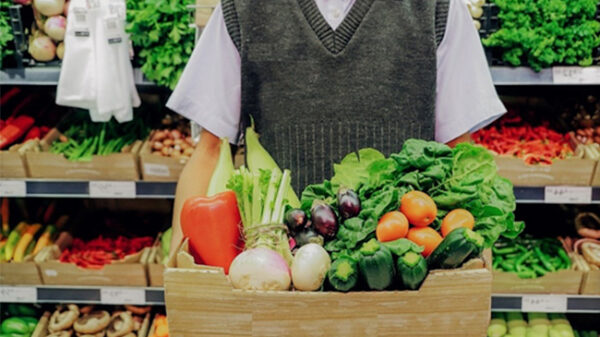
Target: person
x=322, y=78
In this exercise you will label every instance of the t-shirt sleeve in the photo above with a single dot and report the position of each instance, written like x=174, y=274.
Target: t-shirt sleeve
x=466, y=99
x=209, y=89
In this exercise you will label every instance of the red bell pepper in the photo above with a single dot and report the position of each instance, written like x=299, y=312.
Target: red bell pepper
x=212, y=225
x=34, y=133
x=15, y=130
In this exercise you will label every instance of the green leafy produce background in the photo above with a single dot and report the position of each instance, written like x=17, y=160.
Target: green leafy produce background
x=5, y=30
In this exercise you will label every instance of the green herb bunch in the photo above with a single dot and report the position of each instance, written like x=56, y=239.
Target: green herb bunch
x=160, y=30
x=5, y=30
x=542, y=33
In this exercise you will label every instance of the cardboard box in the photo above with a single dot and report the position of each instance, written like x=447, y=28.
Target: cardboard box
x=575, y=172
x=591, y=283
x=117, y=166
x=204, y=9
x=596, y=176
x=12, y=161
x=159, y=168
x=22, y=273
x=152, y=259
x=560, y=282
x=200, y=301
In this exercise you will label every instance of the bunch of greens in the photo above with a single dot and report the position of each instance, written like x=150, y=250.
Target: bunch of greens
x=542, y=33
x=84, y=138
x=5, y=30
x=261, y=201
x=461, y=178
x=160, y=30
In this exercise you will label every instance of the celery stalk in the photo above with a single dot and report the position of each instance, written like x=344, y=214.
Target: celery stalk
x=270, y=198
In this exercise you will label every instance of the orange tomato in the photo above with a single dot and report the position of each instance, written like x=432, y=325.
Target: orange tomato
x=419, y=208
x=456, y=219
x=392, y=226
x=426, y=237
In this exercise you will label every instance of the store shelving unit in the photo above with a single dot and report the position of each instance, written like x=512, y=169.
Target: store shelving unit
x=48, y=76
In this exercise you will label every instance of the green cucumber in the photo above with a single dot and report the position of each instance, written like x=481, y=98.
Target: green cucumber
x=412, y=270
x=14, y=325
x=455, y=249
x=343, y=274
x=376, y=265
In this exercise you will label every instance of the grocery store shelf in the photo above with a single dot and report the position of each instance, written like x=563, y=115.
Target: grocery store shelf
x=48, y=76
x=547, y=303
x=81, y=189
x=538, y=195
x=550, y=76
x=73, y=294
x=155, y=296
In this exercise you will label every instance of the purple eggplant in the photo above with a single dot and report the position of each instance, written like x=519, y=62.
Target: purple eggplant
x=324, y=220
x=306, y=236
x=348, y=203
x=296, y=220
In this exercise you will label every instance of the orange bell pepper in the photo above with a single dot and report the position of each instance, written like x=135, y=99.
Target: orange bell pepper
x=212, y=225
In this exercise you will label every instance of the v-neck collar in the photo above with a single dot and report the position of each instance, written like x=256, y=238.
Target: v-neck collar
x=335, y=40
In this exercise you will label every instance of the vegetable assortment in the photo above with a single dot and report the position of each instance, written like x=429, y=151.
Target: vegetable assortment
x=96, y=253
x=545, y=33
x=529, y=257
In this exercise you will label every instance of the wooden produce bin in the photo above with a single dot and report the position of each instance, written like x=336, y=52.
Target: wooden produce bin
x=200, y=301
x=21, y=273
x=158, y=168
x=591, y=283
x=596, y=177
x=116, y=166
x=575, y=172
x=155, y=269
x=560, y=282
x=12, y=164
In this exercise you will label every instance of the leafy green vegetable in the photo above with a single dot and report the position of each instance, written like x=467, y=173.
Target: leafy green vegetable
x=542, y=33
x=351, y=172
x=160, y=30
x=5, y=30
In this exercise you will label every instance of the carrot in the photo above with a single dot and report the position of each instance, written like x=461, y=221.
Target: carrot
x=5, y=213
x=392, y=226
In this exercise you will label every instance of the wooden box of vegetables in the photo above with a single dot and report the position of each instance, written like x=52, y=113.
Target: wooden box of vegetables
x=577, y=172
x=17, y=273
x=12, y=163
x=359, y=255
x=165, y=153
x=65, y=158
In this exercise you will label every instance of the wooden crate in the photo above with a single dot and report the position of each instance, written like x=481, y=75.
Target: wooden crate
x=577, y=172
x=22, y=273
x=200, y=301
x=591, y=283
x=116, y=166
x=158, y=168
x=12, y=164
x=560, y=282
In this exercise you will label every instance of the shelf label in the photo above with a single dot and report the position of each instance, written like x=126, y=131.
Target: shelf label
x=576, y=75
x=544, y=303
x=112, y=189
x=13, y=188
x=568, y=195
x=157, y=170
x=18, y=294
x=122, y=296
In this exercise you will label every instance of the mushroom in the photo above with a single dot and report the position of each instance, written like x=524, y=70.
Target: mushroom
x=120, y=325
x=64, y=333
x=138, y=310
x=92, y=323
x=62, y=320
x=98, y=334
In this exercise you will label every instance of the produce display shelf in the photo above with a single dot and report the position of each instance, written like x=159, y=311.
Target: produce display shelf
x=49, y=76
x=155, y=296
x=570, y=194
x=87, y=189
x=88, y=295
x=508, y=76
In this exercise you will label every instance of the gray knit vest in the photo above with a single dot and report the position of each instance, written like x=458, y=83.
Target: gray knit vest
x=317, y=94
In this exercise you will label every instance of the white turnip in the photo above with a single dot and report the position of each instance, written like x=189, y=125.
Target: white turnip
x=41, y=48
x=55, y=27
x=260, y=269
x=49, y=7
x=310, y=267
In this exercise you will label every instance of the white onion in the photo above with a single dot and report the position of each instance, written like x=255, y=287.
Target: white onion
x=49, y=7
x=260, y=269
x=41, y=48
x=60, y=50
x=55, y=27
x=310, y=267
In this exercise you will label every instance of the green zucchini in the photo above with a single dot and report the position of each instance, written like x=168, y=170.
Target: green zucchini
x=343, y=274
x=376, y=265
x=455, y=249
x=412, y=270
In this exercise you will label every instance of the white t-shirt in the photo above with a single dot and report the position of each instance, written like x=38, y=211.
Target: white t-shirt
x=209, y=90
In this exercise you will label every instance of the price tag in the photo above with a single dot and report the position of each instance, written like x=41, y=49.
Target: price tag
x=112, y=189
x=576, y=75
x=18, y=294
x=113, y=30
x=81, y=29
x=157, y=170
x=13, y=188
x=544, y=303
x=122, y=296
x=568, y=195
